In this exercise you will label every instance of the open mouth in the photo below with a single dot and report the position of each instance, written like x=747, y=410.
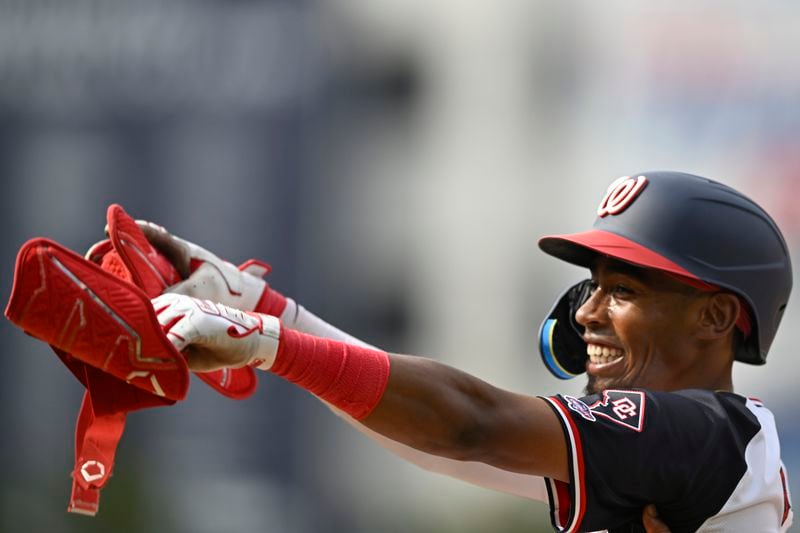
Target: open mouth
x=603, y=359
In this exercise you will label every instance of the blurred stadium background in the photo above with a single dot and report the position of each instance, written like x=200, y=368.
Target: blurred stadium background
x=395, y=161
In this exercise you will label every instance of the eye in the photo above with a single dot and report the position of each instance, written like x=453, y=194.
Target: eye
x=621, y=290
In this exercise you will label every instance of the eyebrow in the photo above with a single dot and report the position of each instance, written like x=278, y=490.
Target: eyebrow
x=618, y=267
x=649, y=277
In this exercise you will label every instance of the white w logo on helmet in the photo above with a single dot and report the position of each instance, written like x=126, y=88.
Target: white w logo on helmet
x=620, y=194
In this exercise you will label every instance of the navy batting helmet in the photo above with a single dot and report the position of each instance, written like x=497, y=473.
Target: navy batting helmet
x=685, y=225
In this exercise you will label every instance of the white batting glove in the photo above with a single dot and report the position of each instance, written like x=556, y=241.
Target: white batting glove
x=215, y=336
x=206, y=276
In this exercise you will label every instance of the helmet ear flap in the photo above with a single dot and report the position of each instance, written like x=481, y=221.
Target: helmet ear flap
x=746, y=350
x=561, y=342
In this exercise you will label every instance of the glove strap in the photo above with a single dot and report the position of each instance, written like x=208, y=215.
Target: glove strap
x=96, y=439
x=101, y=421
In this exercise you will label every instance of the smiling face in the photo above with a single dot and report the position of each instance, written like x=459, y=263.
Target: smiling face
x=643, y=330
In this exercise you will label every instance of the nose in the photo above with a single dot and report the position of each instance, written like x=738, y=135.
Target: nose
x=594, y=311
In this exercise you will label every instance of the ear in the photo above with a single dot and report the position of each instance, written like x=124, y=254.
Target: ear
x=718, y=315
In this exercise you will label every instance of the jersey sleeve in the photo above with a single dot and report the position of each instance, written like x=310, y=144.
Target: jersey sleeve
x=628, y=448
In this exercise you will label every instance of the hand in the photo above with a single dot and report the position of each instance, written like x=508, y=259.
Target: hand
x=652, y=524
x=214, y=336
x=205, y=275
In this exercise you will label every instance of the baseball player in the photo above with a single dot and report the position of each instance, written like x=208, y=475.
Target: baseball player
x=687, y=276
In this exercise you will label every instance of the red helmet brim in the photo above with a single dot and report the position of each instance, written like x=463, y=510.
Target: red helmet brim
x=582, y=248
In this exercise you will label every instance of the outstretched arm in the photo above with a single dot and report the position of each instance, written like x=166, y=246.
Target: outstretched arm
x=447, y=397
x=443, y=411
x=206, y=276
x=426, y=405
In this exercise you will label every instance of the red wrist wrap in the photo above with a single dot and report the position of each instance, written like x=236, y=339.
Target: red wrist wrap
x=271, y=303
x=349, y=377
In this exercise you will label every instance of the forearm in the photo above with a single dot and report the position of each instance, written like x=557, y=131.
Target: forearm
x=446, y=412
x=412, y=400
x=528, y=486
x=431, y=407
x=424, y=403
x=427, y=405
x=479, y=474
x=415, y=401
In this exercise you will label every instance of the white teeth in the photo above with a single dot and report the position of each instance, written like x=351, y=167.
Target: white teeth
x=599, y=354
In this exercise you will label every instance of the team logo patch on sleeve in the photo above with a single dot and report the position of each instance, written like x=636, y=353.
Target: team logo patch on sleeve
x=579, y=407
x=625, y=408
